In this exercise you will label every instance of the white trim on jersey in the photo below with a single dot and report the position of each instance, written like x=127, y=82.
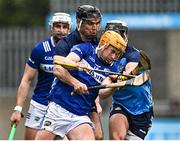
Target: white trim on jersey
x=46, y=46
x=52, y=41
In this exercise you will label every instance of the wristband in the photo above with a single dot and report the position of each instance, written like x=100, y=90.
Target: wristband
x=18, y=108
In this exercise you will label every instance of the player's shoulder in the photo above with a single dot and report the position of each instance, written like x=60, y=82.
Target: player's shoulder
x=73, y=38
x=85, y=46
x=132, y=49
x=45, y=45
x=67, y=42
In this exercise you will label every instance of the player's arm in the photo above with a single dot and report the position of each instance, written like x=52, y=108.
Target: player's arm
x=130, y=67
x=23, y=90
x=98, y=105
x=64, y=75
x=105, y=93
x=133, y=60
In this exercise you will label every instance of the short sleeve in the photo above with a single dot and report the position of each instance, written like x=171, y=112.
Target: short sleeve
x=35, y=57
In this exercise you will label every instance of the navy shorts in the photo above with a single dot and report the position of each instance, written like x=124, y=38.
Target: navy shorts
x=94, y=108
x=138, y=124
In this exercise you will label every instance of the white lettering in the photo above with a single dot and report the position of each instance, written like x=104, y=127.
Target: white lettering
x=48, y=58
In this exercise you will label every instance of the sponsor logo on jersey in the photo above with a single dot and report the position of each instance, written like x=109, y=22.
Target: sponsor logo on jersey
x=48, y=58
x=122, y=65
x=92, y=59
x=47, y=68
x=96, y=75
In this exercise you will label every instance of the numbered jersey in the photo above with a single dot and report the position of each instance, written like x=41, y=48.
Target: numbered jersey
x=42, y=59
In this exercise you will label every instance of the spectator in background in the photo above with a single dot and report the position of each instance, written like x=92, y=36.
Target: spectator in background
x=41, y=63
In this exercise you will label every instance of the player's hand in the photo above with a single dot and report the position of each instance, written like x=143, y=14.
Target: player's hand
x=83, y=65
x=112, y=78
x=16, y=117
x=80, y=88
x=122, y=78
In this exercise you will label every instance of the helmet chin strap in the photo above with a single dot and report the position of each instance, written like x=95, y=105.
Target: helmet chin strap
x=80, y=23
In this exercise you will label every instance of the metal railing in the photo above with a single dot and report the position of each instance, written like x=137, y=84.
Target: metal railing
x=122, y=6
x=15, y=47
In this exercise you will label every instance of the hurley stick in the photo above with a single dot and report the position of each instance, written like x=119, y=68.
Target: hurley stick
x=74, y=66
x=137, y=81
x=12, y=132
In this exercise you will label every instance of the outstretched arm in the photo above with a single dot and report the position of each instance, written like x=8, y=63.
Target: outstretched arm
x=22, y=92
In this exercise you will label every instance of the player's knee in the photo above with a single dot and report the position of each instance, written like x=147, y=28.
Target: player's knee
x=118, y=136
x=99, y=134
x=99, y=137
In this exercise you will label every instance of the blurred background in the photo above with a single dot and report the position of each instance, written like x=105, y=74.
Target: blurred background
x=154, y=26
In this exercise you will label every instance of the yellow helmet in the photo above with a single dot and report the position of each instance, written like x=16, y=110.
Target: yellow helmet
x=114, y=39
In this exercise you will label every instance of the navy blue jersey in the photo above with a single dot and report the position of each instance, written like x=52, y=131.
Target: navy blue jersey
x=135, y=99
x=42, y=59
x=131, y=55
x=81, y=104
x=64, y=46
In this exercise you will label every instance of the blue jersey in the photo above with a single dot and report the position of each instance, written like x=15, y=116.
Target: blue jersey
x=64, y=46
x=131, y=55
x=42, y=59
x=81, y=104
x=135, y=99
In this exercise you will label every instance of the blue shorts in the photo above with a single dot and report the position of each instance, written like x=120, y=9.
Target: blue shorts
x=138, y=124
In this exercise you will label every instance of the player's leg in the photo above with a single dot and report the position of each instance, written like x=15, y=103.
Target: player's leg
x=44, y=135
x=34, y=119
x=139, y=125
x=30, y=133
x=81, y=128
x=61, y=122
x=95, y=118
x=49, y=128
x=118, y=124
x=81, y=132
x=59, y=138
